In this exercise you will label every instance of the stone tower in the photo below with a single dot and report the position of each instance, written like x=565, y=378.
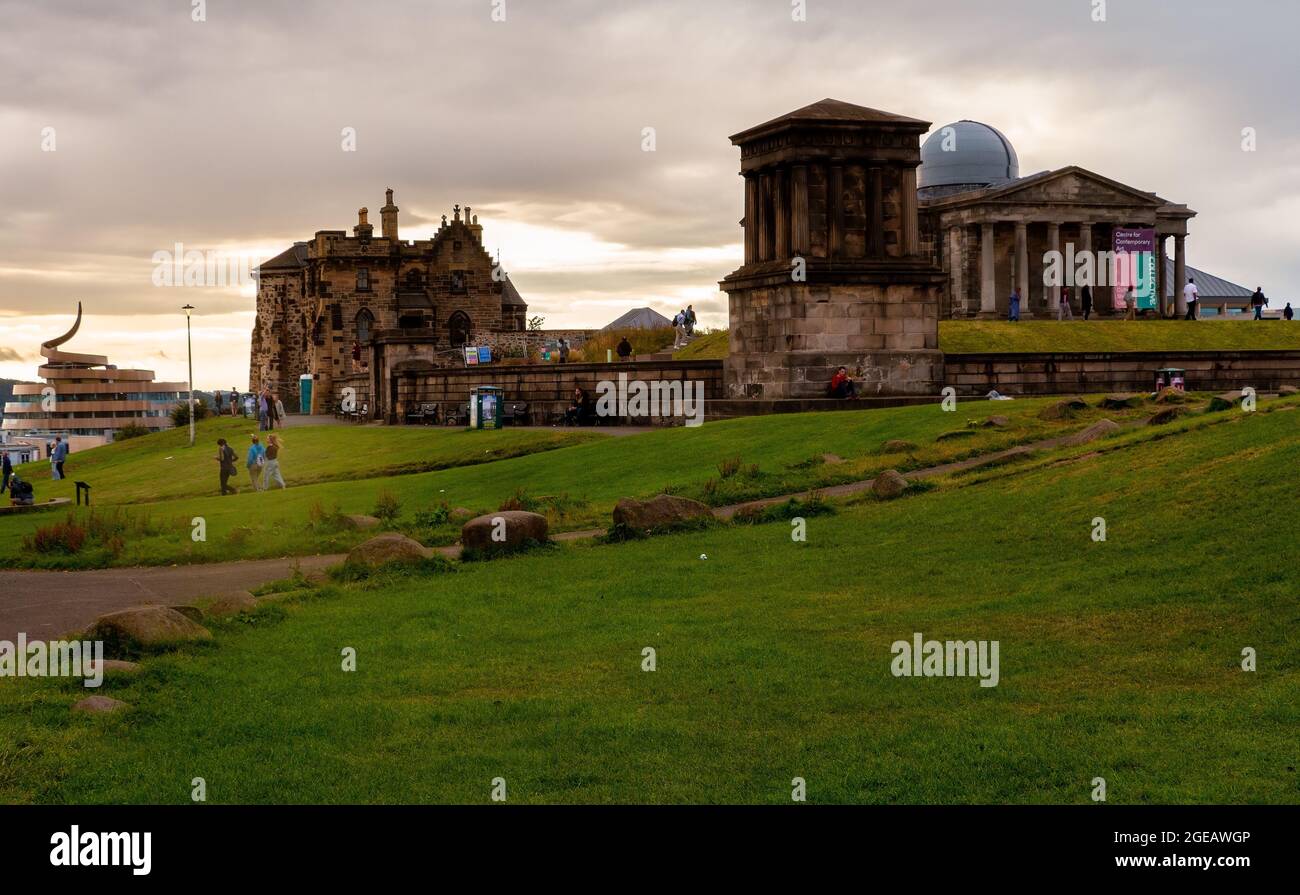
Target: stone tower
x=833, y=273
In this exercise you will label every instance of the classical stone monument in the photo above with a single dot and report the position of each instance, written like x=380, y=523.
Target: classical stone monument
x=320, y=304
x=834, y=273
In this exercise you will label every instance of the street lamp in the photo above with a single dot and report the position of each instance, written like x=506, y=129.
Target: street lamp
x=189, y=350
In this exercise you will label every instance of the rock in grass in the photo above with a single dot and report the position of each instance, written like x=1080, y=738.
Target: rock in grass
x=1099, y=429
x=1168, y=415
x=1063, y=410
x=387, y=548
x=460, y=514
x=1284, y=390
x=897, y=446
x=99, y=705
x=889, y=484
x=360, y=521
x=831, y=459
x=1226, y=401
x=193, y=613
x=232, y=604
x=1120, y=402
x=955, y=434
x=1171, y=396
x=145, y=628
x=661, y=512
x=996, y=422
x=504, y=530
x=117, y=666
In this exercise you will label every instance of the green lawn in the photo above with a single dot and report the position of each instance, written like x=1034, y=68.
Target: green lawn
x=1118, y=659
x=577, y=485
x=986, y=336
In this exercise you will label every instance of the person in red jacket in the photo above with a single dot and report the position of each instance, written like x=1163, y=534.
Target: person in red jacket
x=842, y=386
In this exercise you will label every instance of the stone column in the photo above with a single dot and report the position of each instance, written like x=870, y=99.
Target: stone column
x=1054, y=245
x=957, y=272
x=764, y=211
x=988, y=279
x=751, y=219
x=835, y=209
x=1180, y=275
x=876, y=212
x=781, y=201
x=1162, y=305
x=911, y=234
x=799, y=240
x=1022, y=267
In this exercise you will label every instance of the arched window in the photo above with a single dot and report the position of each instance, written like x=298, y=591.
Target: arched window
x=458, y=329
x=365, y=323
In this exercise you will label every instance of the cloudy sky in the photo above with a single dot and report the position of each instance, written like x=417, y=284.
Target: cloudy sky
x=225, y=135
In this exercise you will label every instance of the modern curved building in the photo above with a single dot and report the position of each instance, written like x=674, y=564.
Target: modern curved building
x=85, y=399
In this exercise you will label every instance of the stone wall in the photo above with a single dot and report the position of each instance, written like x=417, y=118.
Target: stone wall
x=511, y=344
x=1061, y=373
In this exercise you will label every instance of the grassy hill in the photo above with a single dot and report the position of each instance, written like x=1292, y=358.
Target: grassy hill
x=1118, y=659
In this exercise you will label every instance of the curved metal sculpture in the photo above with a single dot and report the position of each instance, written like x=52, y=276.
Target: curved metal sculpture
x=55, y=343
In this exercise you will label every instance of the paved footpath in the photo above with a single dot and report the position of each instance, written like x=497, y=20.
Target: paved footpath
x=47, y=605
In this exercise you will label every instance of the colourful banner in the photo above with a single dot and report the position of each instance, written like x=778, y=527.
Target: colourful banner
x=1135, y=265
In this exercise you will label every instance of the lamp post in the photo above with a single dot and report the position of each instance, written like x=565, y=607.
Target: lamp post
x=189, y=350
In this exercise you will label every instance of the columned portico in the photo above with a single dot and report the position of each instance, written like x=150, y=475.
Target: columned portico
x=1022, y=267
x=1180, y=274
x=1053, y=245
x=988, y=276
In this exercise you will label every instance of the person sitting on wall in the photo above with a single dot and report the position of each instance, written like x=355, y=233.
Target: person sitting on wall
x=577, y=404
x=20, y=492
x=842, y=386
x=624, y=349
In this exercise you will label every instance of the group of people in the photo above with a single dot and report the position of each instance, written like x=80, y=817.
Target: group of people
x=1191, y=295
x=262, y=462
x=683, y=326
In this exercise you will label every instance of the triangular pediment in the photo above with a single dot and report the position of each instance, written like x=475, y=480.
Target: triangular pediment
x=1074, y=186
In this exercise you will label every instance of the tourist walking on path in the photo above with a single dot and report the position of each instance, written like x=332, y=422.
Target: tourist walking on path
x=218, y=398
x=234, y=402
x=8, y=469
x=60, y=454
x=1287, y=313
x=1085, y=302
x=1190, y=294
x=1013, y=305
x=564, y=351
x=679, y=328
x=690, y=320
x=1257, y=301
x=255, y=461
x=271, y=472
x=1063, y=310
x=279, y=410
x=226, y=464
x=263, y=412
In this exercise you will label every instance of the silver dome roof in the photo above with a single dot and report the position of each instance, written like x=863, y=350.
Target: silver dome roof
x=967, y=153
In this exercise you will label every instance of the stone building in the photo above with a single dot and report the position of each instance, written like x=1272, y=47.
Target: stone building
x=991, y=229
x=834, y=270
x=321, y=303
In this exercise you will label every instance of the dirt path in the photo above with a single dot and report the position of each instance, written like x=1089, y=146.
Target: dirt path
x=46, y=605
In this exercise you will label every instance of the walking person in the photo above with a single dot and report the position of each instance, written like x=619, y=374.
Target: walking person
x=254, y=462
x=1063, y=310
x=690, y=320
x=217, y=399
x=271, y=471
x=1257, y=301
x=624, y=349
x=1287, y=313
x=279, y=411
x=234, y=402
x=1085, y=301
x=262, y=419
x=1190, y=294
x=7, y=468
x=1013, y=306
x=679, y=328
x=1130, y=304
x=226, y=464
x=59, y=455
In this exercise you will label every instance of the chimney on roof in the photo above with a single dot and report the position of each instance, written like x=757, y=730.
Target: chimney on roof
x=388, y=218
x=363, y=229
x=474, y=225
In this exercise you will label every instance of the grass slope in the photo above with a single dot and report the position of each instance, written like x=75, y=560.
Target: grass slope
x=1118, y=659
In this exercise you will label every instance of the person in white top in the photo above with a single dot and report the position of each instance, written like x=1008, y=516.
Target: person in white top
x=1189, y=296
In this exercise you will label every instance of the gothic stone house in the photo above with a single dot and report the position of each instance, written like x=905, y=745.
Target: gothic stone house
x=320, y=303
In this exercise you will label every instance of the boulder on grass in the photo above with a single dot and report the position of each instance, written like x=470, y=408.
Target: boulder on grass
x=99, y=705
x=1284, y=390
x=955, y=434
x=1099, y=429
x=1227, y=400
x=360, y=521
x=889, y=484
x=115, y=666
x=1120, y=402
x=1171, y=396
x=1063, y=410
x=193, y=613
x=660, y=512
x=460, y=514
x=512, y=529
x=386, y=548
x=232, y=604
x=996, y=422
x=897, y=446
x=1168, y=415
x=144, y=629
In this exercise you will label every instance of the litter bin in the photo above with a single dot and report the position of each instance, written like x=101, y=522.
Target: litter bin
x=485, y=407
x=1170, y=377
x=304, y=393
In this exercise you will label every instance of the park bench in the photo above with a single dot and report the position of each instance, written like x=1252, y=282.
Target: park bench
x=423, y=415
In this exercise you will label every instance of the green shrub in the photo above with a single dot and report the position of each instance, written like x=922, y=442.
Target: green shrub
x=180, y=414
x=134, y=431
x=729, y=467
x=432, y=518
x=387, y=507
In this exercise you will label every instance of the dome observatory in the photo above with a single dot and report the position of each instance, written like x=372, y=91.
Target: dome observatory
x=965, y=156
